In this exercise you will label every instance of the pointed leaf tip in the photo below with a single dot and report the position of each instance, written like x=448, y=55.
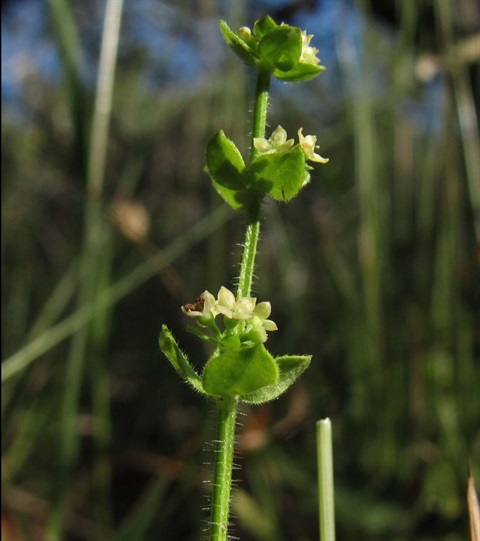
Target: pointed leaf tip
x=291, y=367
x=179, y=360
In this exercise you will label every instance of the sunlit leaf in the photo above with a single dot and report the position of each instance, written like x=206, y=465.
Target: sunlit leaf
x=238, y=46
x=240, y=371
x=264, y=25
x=280, y=174
x=226, y=167
x=280, y=48
x=301, y=72
x=290, y=367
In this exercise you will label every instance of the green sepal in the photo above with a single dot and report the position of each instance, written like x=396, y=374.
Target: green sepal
x=238, y=45
x=179, y=360
x=227, y=169
x=300, y=72
x=280, y=49
x=264, y=25
x=280, y=174
x=290, y=367
x=239, y=371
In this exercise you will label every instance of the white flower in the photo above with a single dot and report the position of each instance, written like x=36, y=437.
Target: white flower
x=276, y=143
x=262, y=311
x=309, y=54
x=259, y=324
x=206, y=308
x=308, y=144
x=203, y=307
x=234, y=309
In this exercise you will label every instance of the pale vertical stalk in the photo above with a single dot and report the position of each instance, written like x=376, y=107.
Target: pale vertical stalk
x=326, y=502
x=100, y=253
x=93, y=266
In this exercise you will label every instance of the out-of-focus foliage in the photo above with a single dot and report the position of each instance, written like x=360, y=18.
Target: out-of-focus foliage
x=374, y=269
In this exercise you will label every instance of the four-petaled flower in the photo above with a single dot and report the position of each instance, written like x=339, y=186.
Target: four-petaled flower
x=277, y=142
x=259, y=324
x=308, y=144
x=261, y=313
x=234, y=309
x=309, y=54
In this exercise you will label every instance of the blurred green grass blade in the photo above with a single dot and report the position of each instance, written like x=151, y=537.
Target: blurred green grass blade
x=136, y=525
x=469, y=133
x=90, y=340
x=126, y=285
x=99, y=255
x=252, y=516
x=56, y=303
x=465, y=104
x=70, y=50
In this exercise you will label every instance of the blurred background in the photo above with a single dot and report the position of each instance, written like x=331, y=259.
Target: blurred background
x=110, y=225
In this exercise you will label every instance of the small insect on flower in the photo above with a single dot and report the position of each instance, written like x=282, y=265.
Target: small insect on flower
x=203, y=309
x=197, y=306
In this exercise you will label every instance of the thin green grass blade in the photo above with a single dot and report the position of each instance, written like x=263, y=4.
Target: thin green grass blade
x=70, y=50
x=326, y=502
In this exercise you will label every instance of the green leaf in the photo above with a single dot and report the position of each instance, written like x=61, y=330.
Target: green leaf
x=301, y=72
x=235, y=198
x=280, y=174
x=264, y=25
x=225, y=163
x=244, y=370
x=179, y=360
x=280, y=48
x=227, y=169
x=239, y=47
x=291, y=367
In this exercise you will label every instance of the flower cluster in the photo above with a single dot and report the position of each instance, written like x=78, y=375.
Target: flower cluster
x=278, y=142
x=282, y=50
x=206, y=308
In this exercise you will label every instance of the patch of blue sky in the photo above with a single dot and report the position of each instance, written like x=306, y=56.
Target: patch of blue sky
x=323, y=22
x=181, y=51
x=25, y=48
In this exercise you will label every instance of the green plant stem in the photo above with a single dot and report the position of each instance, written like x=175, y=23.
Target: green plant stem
x=227, y=408
x=226, y=419
x=326, y=503
x=252, y=233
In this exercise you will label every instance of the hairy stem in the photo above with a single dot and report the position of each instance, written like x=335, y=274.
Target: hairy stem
x=227, y=408
x=226, y=418
x=253, y=219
